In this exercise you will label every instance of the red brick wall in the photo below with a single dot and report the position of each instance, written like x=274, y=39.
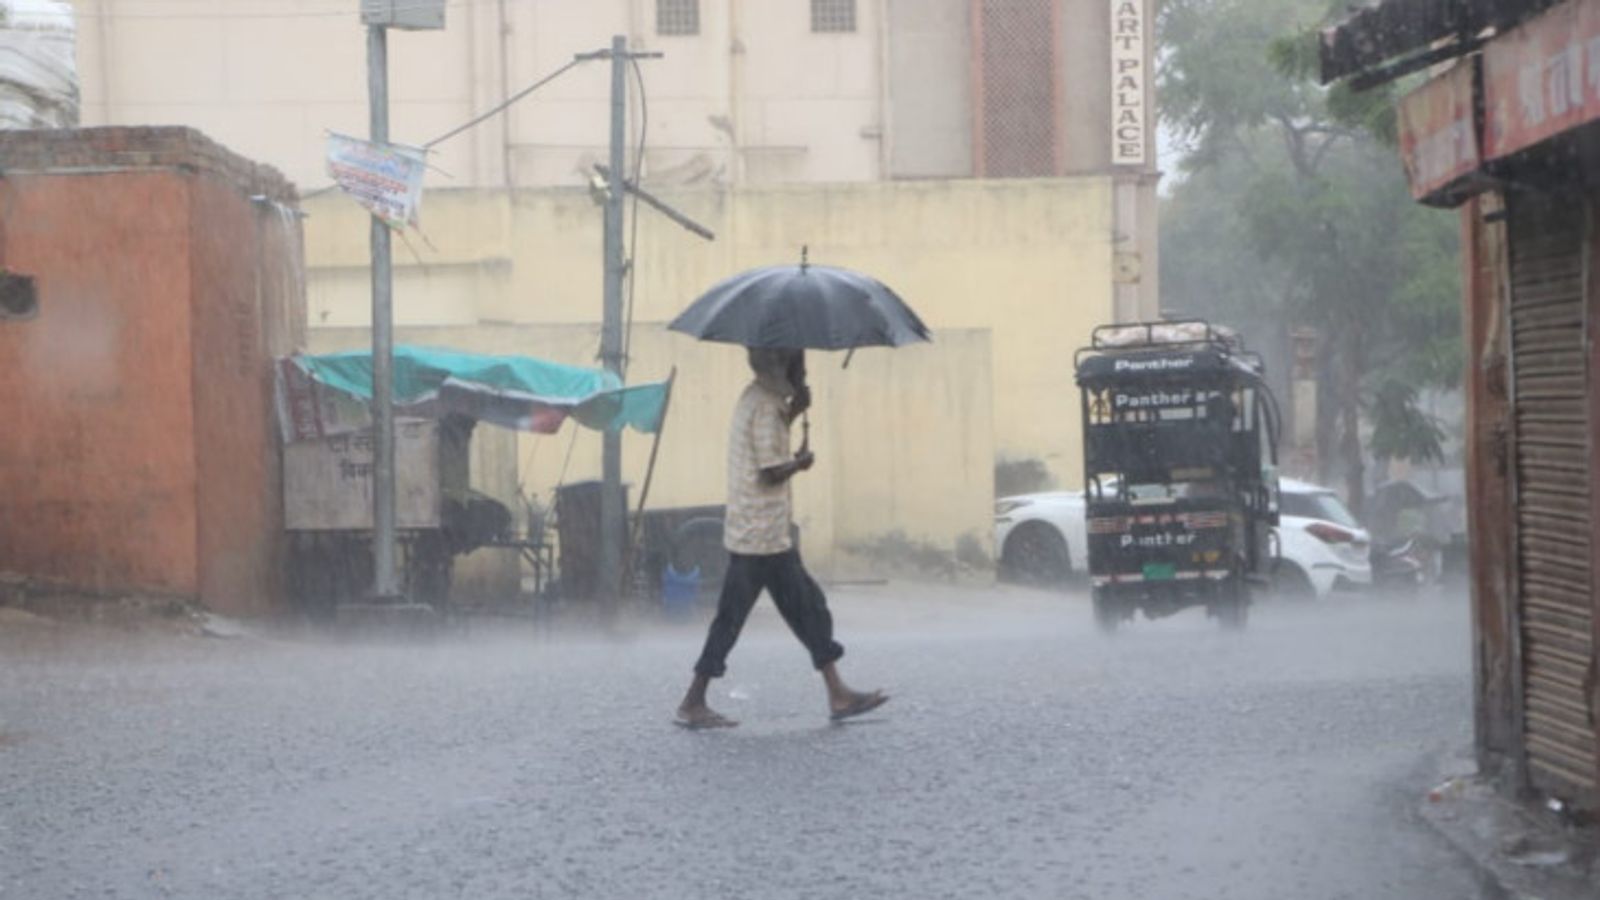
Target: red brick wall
x=137, y=449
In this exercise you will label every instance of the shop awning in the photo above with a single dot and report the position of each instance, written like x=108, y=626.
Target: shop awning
x=330, y=393
x=1525, y=90
x=1395, y=37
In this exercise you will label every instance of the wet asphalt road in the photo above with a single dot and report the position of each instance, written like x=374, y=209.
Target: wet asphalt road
x=1022, y=756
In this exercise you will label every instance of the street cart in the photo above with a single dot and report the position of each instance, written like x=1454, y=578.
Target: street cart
x=441, y=396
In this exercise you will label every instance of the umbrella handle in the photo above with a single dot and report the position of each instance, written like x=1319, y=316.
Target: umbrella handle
x=805, y=432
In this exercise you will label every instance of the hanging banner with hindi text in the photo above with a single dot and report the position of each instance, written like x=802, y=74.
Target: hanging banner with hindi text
x=384, y=178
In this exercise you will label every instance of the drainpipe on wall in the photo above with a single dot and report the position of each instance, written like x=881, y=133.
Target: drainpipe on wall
x=735, y=97
x=885, y=126
x=103, y=25
x=503, y=31
x=975, y=68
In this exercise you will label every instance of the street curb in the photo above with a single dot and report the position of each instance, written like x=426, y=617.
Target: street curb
x=1525, y=854
x=388, y=621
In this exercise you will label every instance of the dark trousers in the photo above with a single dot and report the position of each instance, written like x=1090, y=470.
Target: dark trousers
x=800, y=601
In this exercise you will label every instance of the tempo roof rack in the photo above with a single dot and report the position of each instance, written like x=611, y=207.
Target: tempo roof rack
x=1166, y=332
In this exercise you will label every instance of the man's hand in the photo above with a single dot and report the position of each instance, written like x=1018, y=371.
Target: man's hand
x=779, y=474
x=800, y=402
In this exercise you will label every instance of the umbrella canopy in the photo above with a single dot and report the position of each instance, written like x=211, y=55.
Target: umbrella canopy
x=802, y=307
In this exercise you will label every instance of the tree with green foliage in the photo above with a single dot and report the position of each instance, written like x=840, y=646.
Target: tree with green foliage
x=1291, y=209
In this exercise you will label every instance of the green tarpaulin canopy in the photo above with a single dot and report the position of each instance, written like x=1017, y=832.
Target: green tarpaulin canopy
x=328, y=393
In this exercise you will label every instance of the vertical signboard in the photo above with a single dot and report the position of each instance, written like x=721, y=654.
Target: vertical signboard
x=1130, y=115
x=1439, y=134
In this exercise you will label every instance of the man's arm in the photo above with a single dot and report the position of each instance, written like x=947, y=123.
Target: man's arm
x=770, y=433
x=784, y=471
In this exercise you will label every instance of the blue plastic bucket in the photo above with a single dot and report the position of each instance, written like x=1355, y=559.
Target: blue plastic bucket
x=679, y=590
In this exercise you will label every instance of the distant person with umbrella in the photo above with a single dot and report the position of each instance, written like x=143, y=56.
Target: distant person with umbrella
x=776, y=312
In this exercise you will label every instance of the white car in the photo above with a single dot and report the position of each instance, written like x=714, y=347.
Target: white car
x=1042, y=539
x=1322, y=547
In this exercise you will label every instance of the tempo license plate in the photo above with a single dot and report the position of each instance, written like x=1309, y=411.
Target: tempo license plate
x=1159, y=571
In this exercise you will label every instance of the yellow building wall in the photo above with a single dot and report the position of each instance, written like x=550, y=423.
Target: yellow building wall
x=1028, y=261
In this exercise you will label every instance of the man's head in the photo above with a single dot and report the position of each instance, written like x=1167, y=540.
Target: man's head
x=775, y=364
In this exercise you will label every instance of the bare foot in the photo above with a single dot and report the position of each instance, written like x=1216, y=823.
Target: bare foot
x=854, y=703
x=696, y=718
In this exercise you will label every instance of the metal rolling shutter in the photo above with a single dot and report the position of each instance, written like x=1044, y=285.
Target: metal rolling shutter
x=1554, y=569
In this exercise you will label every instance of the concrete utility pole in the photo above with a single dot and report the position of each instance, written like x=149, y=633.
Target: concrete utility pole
x=613, y=528
x=611, y=500
x=385, y=580
x=429, y=14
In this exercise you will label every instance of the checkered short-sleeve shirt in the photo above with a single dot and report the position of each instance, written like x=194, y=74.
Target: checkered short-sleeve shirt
x=758, y=515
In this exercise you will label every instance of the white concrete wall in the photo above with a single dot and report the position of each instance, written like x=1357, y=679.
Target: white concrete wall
x=268, y=79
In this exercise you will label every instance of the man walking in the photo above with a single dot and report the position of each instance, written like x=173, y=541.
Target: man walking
x=757, y=533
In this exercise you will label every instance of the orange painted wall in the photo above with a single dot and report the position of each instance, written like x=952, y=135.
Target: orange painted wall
x=97, y=468
x=137, y=442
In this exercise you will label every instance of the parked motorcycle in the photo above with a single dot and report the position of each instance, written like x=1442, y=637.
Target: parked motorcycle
x=1406, y=564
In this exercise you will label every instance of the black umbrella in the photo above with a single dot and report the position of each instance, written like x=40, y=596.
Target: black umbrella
x=802, y=307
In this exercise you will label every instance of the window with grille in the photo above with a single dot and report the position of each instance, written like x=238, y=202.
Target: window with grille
x=677, y=17
x=1016, y=100
x=833, y=15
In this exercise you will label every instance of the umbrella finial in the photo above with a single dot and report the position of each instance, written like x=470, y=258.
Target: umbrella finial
x=805, y=257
